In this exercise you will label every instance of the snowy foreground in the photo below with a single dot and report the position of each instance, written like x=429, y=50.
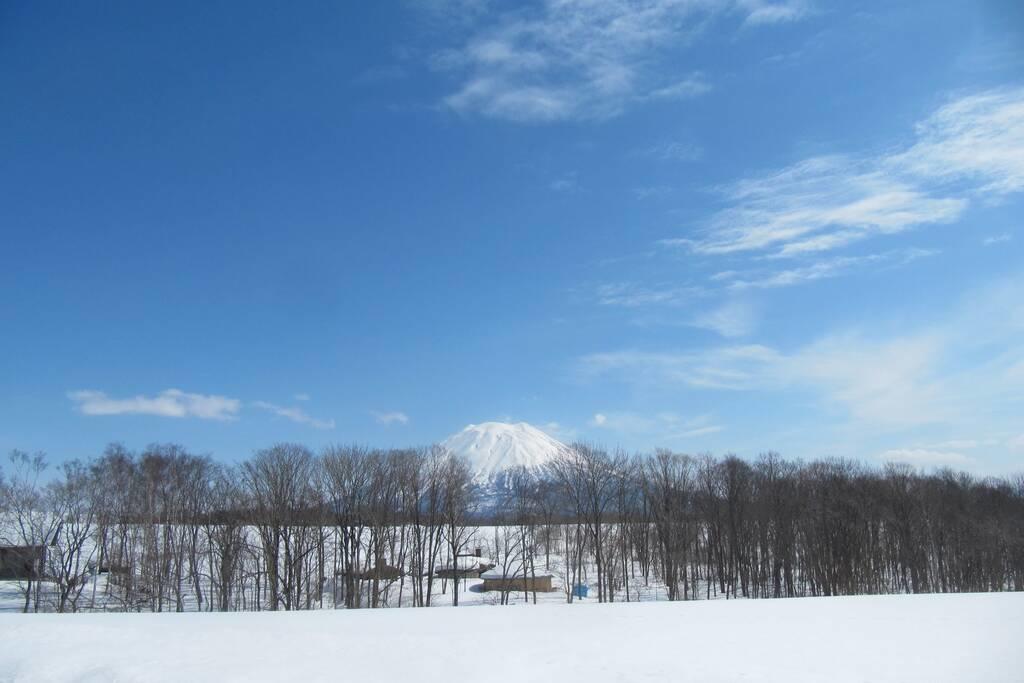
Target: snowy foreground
x=971, y=637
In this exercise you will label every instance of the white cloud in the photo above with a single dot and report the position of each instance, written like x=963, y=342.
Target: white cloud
x=302, y=397
x=1017, y=443
x=700, y=431
x=882, y=382
x=558, y=431
x=823, y=269
x=965, y=367
x=729, y=367
x=733, y=319
x=820, y=204
x=996, y=239
x=664, y=425
x=960, y=444
x=295, y=415
x=566, y=183
x=724, y=275
x=691, y=86
x=761, y=12
x=394, y=417
x=630, y=295
x=496, y=99
x=168, y=403
x=978, y=139
x=581, y=59
x=973, y=146
x=886, y=382
x=924, y=458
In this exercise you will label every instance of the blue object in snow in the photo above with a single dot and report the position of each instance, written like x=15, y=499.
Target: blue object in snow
x=580, y=590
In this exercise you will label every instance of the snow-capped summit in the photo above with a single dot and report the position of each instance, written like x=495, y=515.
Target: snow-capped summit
x=493, y=448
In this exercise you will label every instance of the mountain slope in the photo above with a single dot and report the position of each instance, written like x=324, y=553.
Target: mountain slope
x=493, y=448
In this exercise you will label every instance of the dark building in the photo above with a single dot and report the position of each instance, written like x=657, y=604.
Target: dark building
x=21, y=562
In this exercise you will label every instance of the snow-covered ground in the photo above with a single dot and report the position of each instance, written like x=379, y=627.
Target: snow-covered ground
x=971, y=637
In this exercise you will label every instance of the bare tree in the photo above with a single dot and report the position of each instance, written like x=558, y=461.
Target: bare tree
x=456, y=506
x=668, y=485
x=71, y=549
x=280, y=483
x=224, y=528
x=31, y=523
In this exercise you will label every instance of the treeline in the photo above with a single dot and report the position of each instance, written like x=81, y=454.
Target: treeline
x=778, y=528
x=353, y=527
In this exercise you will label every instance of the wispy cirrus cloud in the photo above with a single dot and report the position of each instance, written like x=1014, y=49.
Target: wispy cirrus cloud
x=632, y=295
x=295, y=415
x=692, y=86
x=926, y=458
x=970, y=364
x=388, y=418
x=732, y=319
x=568, y=182
x=663, y=425
x=761, y=12
x=730, y=367
x=996, y=239
x=817, y=205
x=977, y=140
x=822, y=269
x=168, y=403
x=961, y=444
x=971, y=147
x=559, y=431
x=558, y=60
x=968, y=455
x=884, y=382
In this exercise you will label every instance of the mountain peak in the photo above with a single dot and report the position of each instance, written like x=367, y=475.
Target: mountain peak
x=495, y=447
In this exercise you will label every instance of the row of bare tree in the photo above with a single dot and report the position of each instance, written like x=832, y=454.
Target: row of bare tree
x=286, y=529
x=354, y=527
x=708, y=527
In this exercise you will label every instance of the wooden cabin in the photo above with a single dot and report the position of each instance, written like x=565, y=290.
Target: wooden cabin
x=466, y=567
x=517, y=581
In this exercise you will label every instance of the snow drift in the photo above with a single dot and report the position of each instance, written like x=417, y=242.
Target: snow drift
x=933, y=638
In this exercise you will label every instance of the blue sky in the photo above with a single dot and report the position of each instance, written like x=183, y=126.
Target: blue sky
x=710, y=225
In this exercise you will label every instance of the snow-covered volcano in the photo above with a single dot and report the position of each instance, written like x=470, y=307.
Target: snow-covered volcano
x=493, y=448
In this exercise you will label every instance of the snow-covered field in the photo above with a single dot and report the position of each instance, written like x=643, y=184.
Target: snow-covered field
x=970, y=637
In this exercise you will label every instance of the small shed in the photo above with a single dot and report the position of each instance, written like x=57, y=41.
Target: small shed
x=498, y=579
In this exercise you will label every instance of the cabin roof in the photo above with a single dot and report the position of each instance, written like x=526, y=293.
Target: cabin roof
x=499, y=574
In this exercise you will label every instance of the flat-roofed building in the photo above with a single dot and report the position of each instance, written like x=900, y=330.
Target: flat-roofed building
x=498, y=579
